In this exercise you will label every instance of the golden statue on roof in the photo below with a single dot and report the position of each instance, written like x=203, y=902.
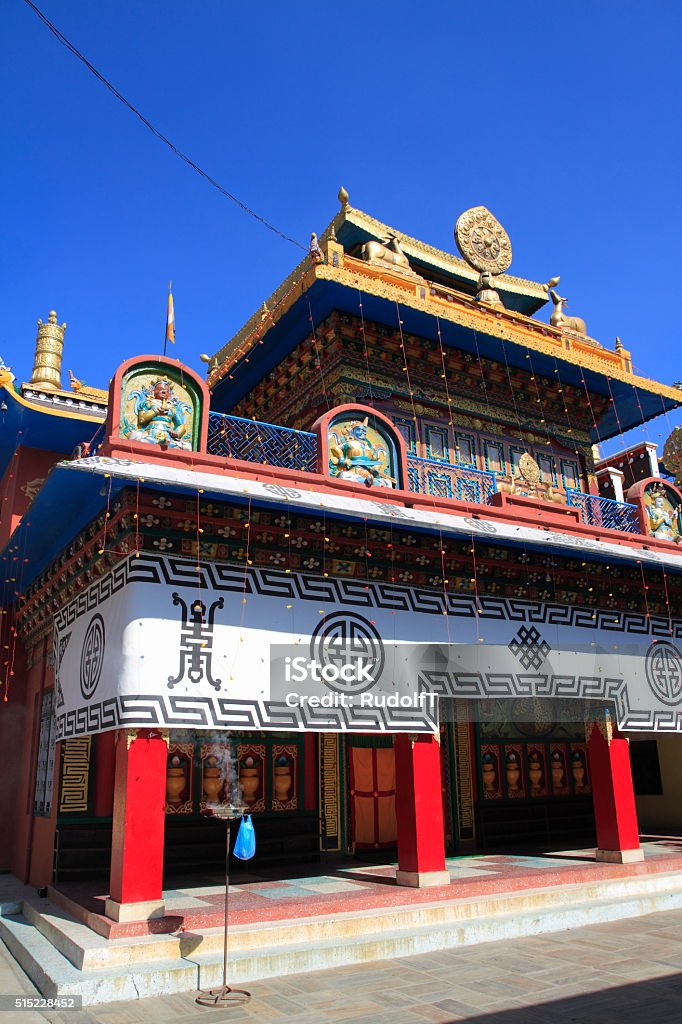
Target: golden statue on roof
x=482, y=241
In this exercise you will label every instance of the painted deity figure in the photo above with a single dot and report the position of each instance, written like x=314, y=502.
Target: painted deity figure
x=352, y=456
x=161, y=417
x=664, y=522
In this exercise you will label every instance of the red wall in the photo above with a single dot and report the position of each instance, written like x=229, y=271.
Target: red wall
x=26, y=466
x=26, y=842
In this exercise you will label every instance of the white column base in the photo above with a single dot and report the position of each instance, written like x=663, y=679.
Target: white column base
x=422, y=879
x=142, y=911
x=620, y=856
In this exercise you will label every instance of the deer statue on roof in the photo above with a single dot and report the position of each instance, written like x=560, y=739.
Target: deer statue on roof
x=575, y=324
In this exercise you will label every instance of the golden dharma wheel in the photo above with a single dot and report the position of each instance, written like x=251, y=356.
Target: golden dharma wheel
x=482, y=241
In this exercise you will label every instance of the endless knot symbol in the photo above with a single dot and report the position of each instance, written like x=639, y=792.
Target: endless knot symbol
x=345, y=638
x=92, y=656
x=529, y=647
x=664, y=672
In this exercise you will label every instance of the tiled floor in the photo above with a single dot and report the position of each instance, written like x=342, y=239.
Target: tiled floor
x=626, y=972
x=256, y=897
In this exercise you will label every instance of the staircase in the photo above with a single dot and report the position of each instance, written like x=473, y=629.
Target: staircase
x=64, y=957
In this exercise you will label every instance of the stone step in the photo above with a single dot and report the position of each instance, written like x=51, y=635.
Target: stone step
x=54, y=975
x=89, y=951
x=293, y=958
x=62, y=956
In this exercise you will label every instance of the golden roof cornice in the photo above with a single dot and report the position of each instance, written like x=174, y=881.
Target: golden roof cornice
x=57, y=403
x=460, y=309
x=438, y=258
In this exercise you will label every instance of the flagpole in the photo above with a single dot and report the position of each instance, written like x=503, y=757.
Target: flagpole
x=165, y=337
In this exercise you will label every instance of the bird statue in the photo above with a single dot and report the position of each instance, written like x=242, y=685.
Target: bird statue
x=76, y=384
x=314, y=249
x=211, y=360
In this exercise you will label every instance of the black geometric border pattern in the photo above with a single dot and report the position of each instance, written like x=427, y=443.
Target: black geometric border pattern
x=224, y=578
x=164, y=712
x=502, y=685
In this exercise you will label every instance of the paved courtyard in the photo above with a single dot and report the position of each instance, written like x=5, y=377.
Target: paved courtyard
x=626, y=972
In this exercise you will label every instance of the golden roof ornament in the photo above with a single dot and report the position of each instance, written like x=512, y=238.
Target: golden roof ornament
x=343, y=198
x=482, y=241
x=558, y=319
x=672, y=455
x=529, y=470
x=212, y=362
x=47, y=363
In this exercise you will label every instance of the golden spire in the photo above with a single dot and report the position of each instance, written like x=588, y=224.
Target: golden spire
x=343, y=198
x=47, y=364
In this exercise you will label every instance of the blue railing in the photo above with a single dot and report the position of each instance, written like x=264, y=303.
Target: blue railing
x=604, y=512
x=445, y=480
x=233, y=437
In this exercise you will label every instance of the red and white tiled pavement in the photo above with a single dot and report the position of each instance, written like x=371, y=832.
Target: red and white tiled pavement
x=259, y=895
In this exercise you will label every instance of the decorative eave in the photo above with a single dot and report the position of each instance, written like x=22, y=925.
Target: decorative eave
x=54, y=421
x=428, y=255
x=91, y=402
x=573, y=353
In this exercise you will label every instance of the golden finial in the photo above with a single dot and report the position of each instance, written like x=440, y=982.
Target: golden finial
x=264, y=312
x=343, y=198
x=331, y=237
x=47, y=364
x=619, y=344
x=211, y=360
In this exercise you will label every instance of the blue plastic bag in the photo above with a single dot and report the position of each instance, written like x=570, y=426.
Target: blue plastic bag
x=245, y=843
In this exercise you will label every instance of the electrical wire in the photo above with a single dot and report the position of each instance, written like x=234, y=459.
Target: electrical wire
x=155, y=131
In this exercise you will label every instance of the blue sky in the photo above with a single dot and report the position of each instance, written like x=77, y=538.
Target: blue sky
x=562, y=119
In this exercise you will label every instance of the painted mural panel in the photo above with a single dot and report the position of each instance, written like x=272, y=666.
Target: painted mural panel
x=159, y=407
x=362, y=452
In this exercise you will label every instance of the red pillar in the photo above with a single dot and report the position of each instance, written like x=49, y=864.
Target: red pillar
x=613, y=795
x=135, y=888
x=419, y=810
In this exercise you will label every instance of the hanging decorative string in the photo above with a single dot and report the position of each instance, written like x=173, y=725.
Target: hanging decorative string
x=364, y=345
x=418, y=441
x=60, y=37
x=614, y=406
x=318, y=361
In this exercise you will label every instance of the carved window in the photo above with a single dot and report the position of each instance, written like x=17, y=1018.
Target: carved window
x=437, y=443
x=548, y=473
x=515, y=454
x=465, y=449
x=406, y=428
x=570, y=474
x=493, y=455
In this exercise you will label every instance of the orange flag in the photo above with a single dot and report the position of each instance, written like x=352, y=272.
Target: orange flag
x=170, y=318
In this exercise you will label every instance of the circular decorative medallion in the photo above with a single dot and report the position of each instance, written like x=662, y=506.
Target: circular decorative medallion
x=482, y=240
x=664, y=672
x=529, y=469
x=92, y=656
x=345, y=640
